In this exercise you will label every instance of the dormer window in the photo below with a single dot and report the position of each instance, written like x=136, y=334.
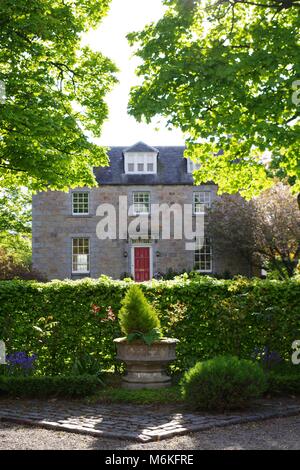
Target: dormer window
x=192, y=166
x=140, y=159
x=140, y=163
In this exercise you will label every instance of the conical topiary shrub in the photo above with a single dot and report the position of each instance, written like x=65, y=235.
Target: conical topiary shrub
x=143, y=350
x=138, y=319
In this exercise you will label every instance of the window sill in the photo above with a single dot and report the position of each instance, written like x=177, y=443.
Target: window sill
x=140, y=173
x=84, y=214
x=80, y=272
x=134, y=214
x=80, y=216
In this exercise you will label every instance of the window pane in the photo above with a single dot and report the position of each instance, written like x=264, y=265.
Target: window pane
x=202, y=200
x=141, y=202
x=192, y=166
x=80, y=203
x=140, y=163
x=203, y=255
x=80, y=255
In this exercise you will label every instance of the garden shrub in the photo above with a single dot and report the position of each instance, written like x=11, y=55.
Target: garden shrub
x=284, y=380
x=60, y=321
x=87, y=364
x=223, y=383
x=138, y=319
x=42, y=387
x=13, y=266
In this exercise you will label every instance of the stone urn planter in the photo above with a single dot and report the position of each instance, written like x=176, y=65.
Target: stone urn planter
x=146, y=365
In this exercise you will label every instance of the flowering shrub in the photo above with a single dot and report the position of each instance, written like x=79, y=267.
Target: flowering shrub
x=106, y=314
x=19, y=363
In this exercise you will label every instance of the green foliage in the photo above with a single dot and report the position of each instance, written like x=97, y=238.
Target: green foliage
x=86, y=364
x=227, y=74
x=17, y=246
x=284, y=379
x=210, y=317
x=138, y=319
x=14, y=262
x=139, y=397
x=15, y=211
x=15, y=236
x=223, y=383
x=55, y=90
x=42, y=387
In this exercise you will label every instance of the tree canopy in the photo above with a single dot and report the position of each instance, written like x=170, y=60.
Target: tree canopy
x=15, y=211
x=264, y=231
x=52, y=93
x=15, y=232
x=227, y=72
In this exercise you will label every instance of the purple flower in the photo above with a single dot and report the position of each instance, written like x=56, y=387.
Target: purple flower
x=20, y=361
x=268, y=358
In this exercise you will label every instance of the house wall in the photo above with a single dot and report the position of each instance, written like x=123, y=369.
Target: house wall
x=54, y=226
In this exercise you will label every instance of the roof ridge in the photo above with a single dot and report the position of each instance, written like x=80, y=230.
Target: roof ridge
x=140, y=147
x=157, y=147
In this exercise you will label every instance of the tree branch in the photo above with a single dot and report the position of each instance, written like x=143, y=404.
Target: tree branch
x=280, y=5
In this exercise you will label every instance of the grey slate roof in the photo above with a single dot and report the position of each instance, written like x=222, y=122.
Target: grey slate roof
x=140, y=147
x=171, y=168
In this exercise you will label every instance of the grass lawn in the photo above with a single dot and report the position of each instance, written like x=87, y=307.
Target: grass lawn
x=113, y=392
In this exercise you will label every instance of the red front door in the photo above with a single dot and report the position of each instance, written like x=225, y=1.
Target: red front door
x=141, y=264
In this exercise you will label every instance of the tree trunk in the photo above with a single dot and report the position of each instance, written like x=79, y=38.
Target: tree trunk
x=290, y=266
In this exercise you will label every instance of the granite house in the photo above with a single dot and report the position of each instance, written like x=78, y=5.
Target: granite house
x=66, y=243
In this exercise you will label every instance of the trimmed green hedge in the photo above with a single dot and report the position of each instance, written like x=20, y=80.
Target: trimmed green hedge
x=210, y=317
x=42, y=387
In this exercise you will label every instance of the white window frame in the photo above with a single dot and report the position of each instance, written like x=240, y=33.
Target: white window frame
x=206, y=204
x=140, y=193
x=136, y=158
x=192, y=166
x=78, y=193
x=206, y=254
x=78, y=254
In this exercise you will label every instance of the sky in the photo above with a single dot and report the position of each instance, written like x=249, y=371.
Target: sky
x=110, y=38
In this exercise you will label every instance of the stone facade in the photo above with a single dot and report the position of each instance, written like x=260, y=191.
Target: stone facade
x=54, y=227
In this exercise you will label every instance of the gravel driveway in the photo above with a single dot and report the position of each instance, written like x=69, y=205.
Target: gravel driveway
x=281, y=433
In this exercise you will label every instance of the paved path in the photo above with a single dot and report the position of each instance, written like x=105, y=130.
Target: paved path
x=273, y=434
x=139, y=423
